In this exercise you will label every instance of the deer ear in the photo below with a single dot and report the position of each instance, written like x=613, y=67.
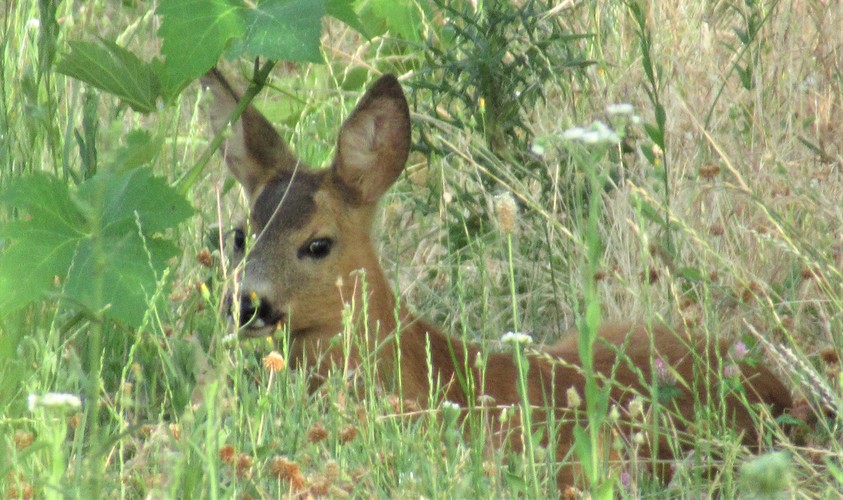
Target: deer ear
x=374, y=142
x=254, y=152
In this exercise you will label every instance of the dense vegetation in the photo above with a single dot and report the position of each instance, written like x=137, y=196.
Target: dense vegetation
x=572, y=162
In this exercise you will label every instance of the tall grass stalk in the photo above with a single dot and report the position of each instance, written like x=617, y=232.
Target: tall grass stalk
x=657, y=131
x=750, y=87
x=596, y=398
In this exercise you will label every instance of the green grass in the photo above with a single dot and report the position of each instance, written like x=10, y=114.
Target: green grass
x=733, y=225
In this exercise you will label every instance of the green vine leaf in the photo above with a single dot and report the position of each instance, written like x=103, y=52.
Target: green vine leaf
x=40, y=247
x=195, y=33
x=100, y=247
x=344, y=11
x=402, y=17
x=113, y=69
x=283, y=30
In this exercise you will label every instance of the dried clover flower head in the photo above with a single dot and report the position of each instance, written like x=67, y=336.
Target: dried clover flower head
x=274, y=362
x=506, y=212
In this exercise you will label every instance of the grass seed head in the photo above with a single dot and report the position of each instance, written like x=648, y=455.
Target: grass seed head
x=347, y=434
x=506, y=212
x=227, y=454
x=284, y=469
x=317, y=433
x=573, y=397
x=244, y=464
x=332, y=471
x=23, y=439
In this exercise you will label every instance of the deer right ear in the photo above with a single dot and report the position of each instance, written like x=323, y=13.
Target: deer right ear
x=254, y=152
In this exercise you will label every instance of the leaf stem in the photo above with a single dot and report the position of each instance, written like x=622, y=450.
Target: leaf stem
x=261, y=73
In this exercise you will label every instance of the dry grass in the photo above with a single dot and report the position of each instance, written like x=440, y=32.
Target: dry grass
x=756, y=180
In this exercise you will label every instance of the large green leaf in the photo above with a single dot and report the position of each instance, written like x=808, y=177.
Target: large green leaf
x=101, y=247
x=130, y=266
x=284, y=30
x=111, y=68
x=40, y=248
x=133, y=198
x=29, y=265
x=402, y=17
x=139, y=149
x=344, y=11
x=194, y=34
x=45, y=197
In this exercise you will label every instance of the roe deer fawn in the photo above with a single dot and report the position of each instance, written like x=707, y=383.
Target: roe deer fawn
x=313, y=235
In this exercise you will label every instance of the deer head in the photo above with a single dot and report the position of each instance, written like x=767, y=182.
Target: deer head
x=310, y=228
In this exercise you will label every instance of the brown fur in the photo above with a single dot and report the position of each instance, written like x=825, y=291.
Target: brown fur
x=293, y=206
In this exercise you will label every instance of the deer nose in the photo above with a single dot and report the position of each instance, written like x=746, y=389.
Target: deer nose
x=256, y=311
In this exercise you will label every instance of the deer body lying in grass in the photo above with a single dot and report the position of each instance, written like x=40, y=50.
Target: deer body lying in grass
x=312, y=245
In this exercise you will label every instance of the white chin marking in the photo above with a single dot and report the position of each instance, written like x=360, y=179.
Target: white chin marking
x=255, y=331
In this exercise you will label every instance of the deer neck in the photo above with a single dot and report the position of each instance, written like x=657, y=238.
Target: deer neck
x=404, y=346
x=411, y=354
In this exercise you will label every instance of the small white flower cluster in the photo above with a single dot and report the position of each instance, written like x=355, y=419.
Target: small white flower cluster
x=451, y=412
x=625, y=111
x=597, y=133
x=516, y=338
x=620, y=109
x=54, y=400
x=450, y=405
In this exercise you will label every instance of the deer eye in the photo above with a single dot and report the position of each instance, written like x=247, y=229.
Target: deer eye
x=239, y=240
x=316, y=249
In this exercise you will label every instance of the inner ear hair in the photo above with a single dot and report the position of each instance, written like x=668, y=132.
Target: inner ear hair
x=374, y=142
x=255, y=152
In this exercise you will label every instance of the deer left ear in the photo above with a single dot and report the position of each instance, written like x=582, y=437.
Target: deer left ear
x=374, y=142
x=254, y=152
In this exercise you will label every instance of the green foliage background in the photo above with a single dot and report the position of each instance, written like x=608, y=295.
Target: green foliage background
x=717, y=208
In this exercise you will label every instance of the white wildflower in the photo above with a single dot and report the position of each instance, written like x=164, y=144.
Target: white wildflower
x=604, y=133
x=33, y=24
x=450, y=406
x=53, y=400
x=516, y=338
x=573, y=134
x=537, y=149
x=451, y=412
x=598, y=132
x=620, y=109
x=591, y=137
x=229, y=339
